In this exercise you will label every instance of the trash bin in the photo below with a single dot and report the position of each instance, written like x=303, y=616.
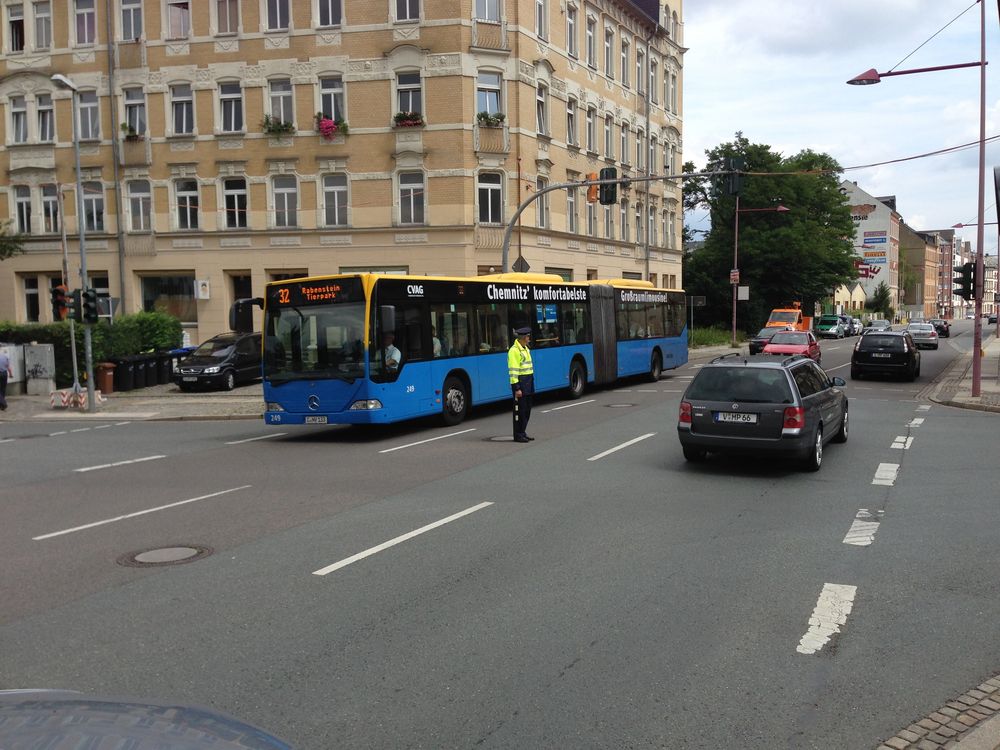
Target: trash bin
x=106, y=377
x=152, y=371
x=138, y=370
x=176, y=355
x=124, y=374
x=163, y=368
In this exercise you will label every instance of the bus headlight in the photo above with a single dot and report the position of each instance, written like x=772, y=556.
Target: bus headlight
x=366, y=405
x=274, y=407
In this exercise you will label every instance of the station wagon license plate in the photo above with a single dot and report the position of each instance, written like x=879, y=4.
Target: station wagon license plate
x=315, y=420
x=729, y=416
x=884, y=355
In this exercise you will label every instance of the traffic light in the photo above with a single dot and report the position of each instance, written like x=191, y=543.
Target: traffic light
x=965, y=282
x=59, y=306
x=609, y=192
x=76, y=306
x=593, y=191
x=90, y=314
x=734, y=181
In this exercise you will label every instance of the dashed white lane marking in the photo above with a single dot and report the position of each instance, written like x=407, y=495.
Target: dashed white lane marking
x=398, y=540
x=429, y=440
x=626, y=444
x=916, y=422
x=885, y=474
x=646, y=390
x=862, y=531
x=570, y=406
x=831, y=369
x=259, y=437
x=901, y=442
x=673, y=390
x=685, y=377
x=102, y=427
x=81, y=429
x=623, y=390
x=119, y=463
x=7, y=440
x=924, y=407
x=832, y=608
x=834, y=348
x=61, y=432
x=119, y=424
x=137, y=513
x=696, y=367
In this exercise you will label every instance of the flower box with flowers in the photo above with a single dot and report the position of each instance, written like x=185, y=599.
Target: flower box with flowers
x=408, y=120
x=274, y=127
x=490, y=120
x=329, y=128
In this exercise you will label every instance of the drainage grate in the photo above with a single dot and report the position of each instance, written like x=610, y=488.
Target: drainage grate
x=160, y=556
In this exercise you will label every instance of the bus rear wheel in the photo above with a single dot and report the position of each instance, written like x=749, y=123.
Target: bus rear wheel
x=655, y=367
x=577, y=380
x=454, y=400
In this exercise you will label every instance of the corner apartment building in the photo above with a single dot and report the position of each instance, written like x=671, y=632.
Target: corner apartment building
x=876, y=242
x=227, y=143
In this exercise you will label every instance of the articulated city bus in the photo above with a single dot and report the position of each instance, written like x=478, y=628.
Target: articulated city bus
x=326, y=341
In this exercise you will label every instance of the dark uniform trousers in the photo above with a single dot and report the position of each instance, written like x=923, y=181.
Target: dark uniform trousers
x=522, y=406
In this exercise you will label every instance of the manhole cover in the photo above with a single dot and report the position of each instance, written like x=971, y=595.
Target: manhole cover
x=619, y=406
x=152, y=558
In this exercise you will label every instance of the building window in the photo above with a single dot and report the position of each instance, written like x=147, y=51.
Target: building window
x=591, y=129
x=277, y=15
x=135, y=111
x=407, y=10
x=22, y=209
x=490, y=198
x=488, y=10
x=609, y=137
x=623, y=219
x=234, y=199
x=131, y=20
x=571, y=31
x=408, y=92
x=18, y=119
x=673, y=28
x=571, y=217
x=31, y=306
x=86, y=21
x=609, y=53
x=488, y=92
x=231, y=104
x=571, y=138
x=640, y=69
x=46, y=118
x=638, y=223
x=140, y=202
x=286, y=201
x=227, y=16
x=282, y=109
x=50, y=209
x=335, y=200
x=331, y=98
x=664, y=229
x=93, y=206
x=638, y=149
x=672, y=229
x=652, y=155
x=591, y=40
x=173, y=295
x=542, y=204
x=609, y=223
x=43, y=25
x=182, y=109
x=330, y=13
x=411, y=198
x=651, y=225
x=90, y=116
x=623, y=143
x=187, y=203
x=178, y=19
x=542, y=109
x=15, y=28
x=542, y=18
x=652, y=79
x=624, y=61
x=591, y=220
x=673, y=93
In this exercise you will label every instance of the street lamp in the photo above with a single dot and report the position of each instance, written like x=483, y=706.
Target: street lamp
x=66, y=84
x=872, y=76
x=734, y=275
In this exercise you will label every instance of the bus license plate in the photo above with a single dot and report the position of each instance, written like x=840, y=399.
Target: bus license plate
x=729, y=416
x=315, y=420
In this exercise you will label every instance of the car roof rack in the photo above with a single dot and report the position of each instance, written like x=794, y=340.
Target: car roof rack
x=724, y=356
x=793, y=358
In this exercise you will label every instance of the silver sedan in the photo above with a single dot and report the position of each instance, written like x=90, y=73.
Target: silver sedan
x=924, y=334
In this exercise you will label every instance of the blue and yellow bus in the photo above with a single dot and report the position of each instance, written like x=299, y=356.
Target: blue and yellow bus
x=326, y=339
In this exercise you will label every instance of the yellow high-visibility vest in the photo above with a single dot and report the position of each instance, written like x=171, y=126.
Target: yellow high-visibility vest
x=519, y=362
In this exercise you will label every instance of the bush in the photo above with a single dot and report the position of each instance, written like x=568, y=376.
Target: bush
x=712, y=337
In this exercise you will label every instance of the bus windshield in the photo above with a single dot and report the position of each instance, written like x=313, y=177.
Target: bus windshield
x=314, y=341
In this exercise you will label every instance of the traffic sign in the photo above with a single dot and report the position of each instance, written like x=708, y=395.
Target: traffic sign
x=734, y=276
x=697, y=300
x=521, y=265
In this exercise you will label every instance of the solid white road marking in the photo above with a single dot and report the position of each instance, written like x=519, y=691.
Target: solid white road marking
x=885, y=474
x=137, y=513
x=924, y=407
x=685, y=377
x=398, y=540
x=259, y=437
x=119, y=463
x=862, y=531
x=902, y=443
x=831, y=369
x=832, y=608
x=626, y=444
x=570, y=406
x=834, y=348
x=429, y=440
x=916, y=422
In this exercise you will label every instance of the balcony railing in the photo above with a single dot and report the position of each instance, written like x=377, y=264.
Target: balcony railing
x=488, y=34
x=491, y=140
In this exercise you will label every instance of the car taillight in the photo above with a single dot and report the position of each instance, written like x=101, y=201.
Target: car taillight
x=795, y=417
x=933, y=334
x=685, y=415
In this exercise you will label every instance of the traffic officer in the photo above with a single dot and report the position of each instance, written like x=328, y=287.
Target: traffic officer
x=522, y=382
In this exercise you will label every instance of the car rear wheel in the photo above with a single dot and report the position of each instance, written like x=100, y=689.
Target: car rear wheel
x=912, y=374
x=855, y=373
x=841, y=436
x=455, y=401
x=229, y=380
x=814, y=459
x=693, y=454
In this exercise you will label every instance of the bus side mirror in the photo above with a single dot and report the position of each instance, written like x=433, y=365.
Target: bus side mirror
x=241, y=316
x=387, y=317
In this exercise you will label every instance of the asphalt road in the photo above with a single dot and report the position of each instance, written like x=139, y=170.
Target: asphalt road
x=590, y=589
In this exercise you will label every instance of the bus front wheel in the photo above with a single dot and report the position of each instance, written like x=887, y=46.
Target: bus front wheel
x=455, y=401
x=577, y=380
x=655, y=367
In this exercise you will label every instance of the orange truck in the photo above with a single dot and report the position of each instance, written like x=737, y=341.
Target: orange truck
x=789, y=317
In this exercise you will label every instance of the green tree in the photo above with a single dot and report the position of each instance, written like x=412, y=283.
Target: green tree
x=801, y=255
x=11, y=243
x=881, y=301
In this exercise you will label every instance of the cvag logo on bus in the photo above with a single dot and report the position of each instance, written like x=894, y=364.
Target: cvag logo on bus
x=415, y=290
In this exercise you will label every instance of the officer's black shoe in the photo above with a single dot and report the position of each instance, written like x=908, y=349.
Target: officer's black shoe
x=529, y=437
x=521, y=439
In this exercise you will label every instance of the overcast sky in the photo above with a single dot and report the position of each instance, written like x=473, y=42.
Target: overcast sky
x=776, y=70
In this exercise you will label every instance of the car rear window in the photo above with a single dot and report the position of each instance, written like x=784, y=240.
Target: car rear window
x=740, y=383
x=790, y=338
x=829, y=320
x=921, y=327
x=876, y=341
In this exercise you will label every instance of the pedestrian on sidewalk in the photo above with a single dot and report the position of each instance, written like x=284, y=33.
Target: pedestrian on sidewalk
x=5, y=371
x=522, y=382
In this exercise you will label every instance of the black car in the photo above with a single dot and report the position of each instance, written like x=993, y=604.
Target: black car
x=762, y=339
x=942, y=326
x=886, y=353
x=221, y=362
x=751, y=405
x=992, y=318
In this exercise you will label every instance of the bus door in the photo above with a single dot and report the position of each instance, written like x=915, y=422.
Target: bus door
x=602, y=319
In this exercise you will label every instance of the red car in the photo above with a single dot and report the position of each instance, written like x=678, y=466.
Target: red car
x=794, y=342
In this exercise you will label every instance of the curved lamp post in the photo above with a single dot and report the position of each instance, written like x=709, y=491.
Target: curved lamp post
x=872, y=76
x=734, y=275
